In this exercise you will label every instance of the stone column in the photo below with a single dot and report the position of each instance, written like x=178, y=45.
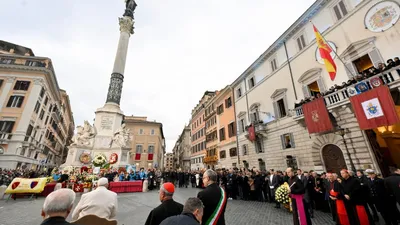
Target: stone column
x=117, y=76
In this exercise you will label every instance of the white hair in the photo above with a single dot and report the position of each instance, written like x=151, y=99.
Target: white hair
x=102, y=181
x=58, y=201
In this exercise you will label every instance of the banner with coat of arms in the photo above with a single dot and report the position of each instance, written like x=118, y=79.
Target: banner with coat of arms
x=316, y=116
x=375, y=108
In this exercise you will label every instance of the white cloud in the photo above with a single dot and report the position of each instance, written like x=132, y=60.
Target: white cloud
x=180, y=49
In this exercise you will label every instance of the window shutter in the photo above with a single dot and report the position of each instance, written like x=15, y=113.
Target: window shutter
x=321, y=84
x=306, y=91
x=276, y=110
x=375, y=57
x=283, y=141
x=337, y=12
x=350, y=69
x=292, y=140
x=285, y=102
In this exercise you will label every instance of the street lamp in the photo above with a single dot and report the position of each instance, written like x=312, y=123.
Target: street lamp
x=340, y=131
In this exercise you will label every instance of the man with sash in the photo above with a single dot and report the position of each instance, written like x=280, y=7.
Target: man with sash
x=214, y=199
x=297, y=190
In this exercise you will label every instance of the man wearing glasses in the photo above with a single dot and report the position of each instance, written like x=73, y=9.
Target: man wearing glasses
x=214, y=199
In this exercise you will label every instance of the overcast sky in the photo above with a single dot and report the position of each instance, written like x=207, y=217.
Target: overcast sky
x=180, y=49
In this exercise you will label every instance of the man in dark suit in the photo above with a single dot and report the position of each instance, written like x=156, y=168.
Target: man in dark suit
x=273, y=183
x=57, y=207
x=214, y=199
x=167, y=208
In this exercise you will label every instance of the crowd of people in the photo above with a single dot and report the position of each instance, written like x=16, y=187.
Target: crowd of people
x=382, y=67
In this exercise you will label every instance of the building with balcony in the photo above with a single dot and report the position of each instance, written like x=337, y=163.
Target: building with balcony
x=210, y=118
x=182, y=150
x=169, y=162
x=197, y=126
x=36, y=119
x=148, y=142
x=363, y=33
x=226, y=126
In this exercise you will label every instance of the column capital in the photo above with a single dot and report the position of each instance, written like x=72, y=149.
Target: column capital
x=126, y=24
x=11, y=79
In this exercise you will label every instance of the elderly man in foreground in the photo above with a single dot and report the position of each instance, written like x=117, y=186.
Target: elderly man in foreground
x=57, y=207
x=167, y=208
x=191, y=215
x=100, y=202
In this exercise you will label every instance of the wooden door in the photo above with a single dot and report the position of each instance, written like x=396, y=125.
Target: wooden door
x=333, y=159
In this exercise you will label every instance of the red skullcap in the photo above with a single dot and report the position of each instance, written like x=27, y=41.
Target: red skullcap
x=169, y=187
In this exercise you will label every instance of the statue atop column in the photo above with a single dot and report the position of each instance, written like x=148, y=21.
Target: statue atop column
x=130, y=8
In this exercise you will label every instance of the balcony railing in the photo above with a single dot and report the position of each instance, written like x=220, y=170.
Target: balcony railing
x=340, y=97
x=212, y=158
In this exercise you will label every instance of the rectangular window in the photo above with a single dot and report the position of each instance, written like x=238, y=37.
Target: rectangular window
x=222, y=154
x=281, y=108
x=254, y=117
x=340, y=10
x=140, y=131
x=287, y=141
x=222, y=134
x=46, y=100
x=228, y=102
x=239, y=92
x=232, y=152
x=273, y=65
x=231, y=129
x=41, y=115
x=42, y=92
x=37, y=107
x=6, y=126
x=15, y=101
x=259, y=147
x=139, y=149
x=151, y=149
x=241, y=125
x=152, y=131
x=47, y=119
x=244, y=148
x=301, y=43
x=220, y=109
x=28, y=132
x=21, y=85
x=252, y=82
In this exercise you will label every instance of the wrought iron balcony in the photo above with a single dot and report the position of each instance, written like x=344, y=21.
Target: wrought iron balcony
x=391, y=78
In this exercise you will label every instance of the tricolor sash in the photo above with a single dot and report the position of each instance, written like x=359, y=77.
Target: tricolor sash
x=218, y=211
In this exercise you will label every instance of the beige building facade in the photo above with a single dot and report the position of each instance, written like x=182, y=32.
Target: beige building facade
x=227, y=146
x=291, y=70
x=169, y=161
x=148, y=142
x=182, y=150
x=36, y=119
x=198, y=131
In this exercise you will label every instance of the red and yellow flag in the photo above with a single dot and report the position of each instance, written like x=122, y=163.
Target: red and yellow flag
x=325, y=52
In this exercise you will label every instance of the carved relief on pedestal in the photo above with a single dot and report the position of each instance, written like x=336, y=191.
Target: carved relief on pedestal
x=84, y=135
x=115, y=88
x=121, y=137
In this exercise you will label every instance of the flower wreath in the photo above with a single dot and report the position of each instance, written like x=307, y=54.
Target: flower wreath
x=113, y=158
x=85, y=158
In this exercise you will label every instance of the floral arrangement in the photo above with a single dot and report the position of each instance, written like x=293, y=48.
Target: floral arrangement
x=99, y=160
x=282, y=194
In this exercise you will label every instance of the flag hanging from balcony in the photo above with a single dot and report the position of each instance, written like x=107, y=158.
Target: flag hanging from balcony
x=252, y=133
x=317, y=117
x=375, y=108
x=325, y=52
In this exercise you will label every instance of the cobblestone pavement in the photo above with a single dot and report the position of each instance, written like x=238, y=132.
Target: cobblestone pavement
x=133, y=209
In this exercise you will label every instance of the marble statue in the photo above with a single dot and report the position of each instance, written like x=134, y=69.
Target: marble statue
x=84, y=134
x=130, y=8
x=121, y=137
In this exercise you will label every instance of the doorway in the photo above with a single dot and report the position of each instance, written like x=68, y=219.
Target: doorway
x=333, y=158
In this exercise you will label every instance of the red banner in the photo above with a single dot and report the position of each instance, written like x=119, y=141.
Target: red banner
x=137, y=156
x=317, y=117
x=375, y=108
x=252, y=133
x=150, y=156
